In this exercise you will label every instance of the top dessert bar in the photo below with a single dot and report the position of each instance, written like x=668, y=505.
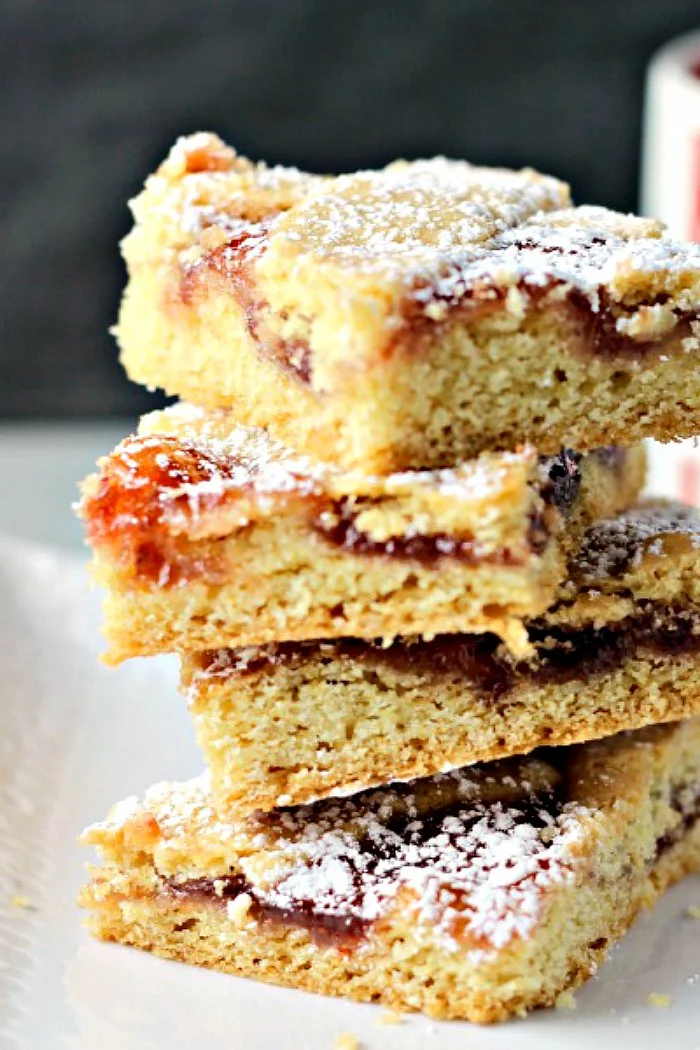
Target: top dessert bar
x=410, y=317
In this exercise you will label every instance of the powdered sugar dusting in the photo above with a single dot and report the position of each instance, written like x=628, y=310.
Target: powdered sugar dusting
x=171, y=481
x=416, y=214
x=471, y=854
x=447, y=230
x=475, y=479
x=179, y=809
x=204, y=184
x=589, y=247
x=479, y=873
x=430, y=235
x=479, y=478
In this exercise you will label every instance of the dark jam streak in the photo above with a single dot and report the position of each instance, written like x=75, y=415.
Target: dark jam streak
x=337, y=526
x=376, y=861
x=339, y=923
x=563, y=654
x=596, y=329
x=233, y=262
x=686, y=802
x=148, y=482
x=327, y=929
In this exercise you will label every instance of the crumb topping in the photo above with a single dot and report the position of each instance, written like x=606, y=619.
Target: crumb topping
x=205, y=184
x=442, y=231
x=478, y=873
x=418, y=213
x=186, y=462
x=189, y=475
x=451, y=250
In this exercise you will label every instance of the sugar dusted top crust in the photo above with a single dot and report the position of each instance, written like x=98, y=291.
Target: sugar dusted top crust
x=190, y=476
x=414, y=215
x=274, y=466
x=204, y=185
x=344, y=270
x=472, y=853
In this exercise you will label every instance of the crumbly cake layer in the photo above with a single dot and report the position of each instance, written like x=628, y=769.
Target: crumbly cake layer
x=411, y=317
x=287, y=723
x=206, y=534
x=481, y=894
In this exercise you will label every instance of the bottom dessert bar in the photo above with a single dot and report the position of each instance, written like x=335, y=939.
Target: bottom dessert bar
x=285, y=724
x=480, y=894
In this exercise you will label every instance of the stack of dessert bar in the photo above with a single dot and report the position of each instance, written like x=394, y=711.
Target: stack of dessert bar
x=441, y=659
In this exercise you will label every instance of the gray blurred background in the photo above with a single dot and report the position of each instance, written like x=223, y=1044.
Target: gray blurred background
x=94, y=91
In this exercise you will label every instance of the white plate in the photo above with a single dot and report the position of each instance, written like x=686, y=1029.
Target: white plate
x=75, y=737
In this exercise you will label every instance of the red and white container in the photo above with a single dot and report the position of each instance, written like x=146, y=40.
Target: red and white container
x=671, y=192
x=671, y=152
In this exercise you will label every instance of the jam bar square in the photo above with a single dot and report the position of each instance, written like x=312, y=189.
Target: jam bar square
x=208, y=535
x=480, y=894
x=411, y=317
x=293, y=722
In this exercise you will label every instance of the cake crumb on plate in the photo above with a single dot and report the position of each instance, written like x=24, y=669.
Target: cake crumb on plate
x=659, y=1000
x=20, y=901
x=390, y=1017
x=347, y=1041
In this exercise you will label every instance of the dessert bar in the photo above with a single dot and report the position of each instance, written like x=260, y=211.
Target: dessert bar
x=207, y=535
x=479, y=894
x=291, y=722
x=410, y=317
